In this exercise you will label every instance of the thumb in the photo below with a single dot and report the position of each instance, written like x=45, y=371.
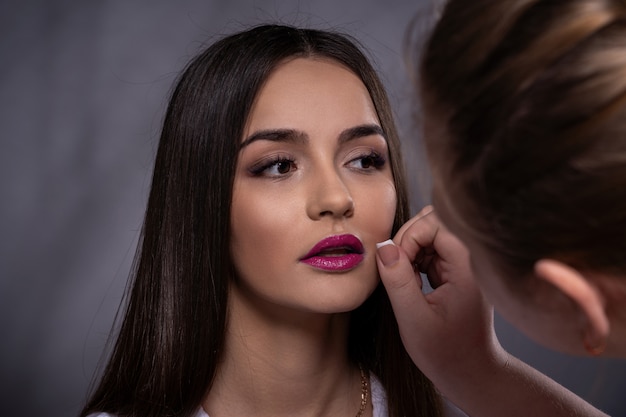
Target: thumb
x=402, y=285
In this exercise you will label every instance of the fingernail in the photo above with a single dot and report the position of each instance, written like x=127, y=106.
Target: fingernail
x=386, y=242
x=388, y=252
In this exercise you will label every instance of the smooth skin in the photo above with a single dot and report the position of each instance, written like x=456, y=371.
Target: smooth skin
x=449, y=332
x=312, y=157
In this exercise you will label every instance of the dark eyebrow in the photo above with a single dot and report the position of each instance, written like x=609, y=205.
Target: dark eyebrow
x=295, y=136
x=361, y=131
x=276, y=135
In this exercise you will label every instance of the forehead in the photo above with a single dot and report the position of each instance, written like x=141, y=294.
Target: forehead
x=317, y=71
x=304, y=91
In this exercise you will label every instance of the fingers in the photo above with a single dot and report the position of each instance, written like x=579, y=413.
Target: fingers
x=403, y=285
x=433, y=249
x=423, y=213
x=417, y=238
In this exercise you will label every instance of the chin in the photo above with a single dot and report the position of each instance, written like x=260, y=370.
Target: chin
x=342, y=302
x=341, y=306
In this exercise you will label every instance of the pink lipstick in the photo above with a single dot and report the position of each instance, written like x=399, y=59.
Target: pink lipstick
x=335, y=253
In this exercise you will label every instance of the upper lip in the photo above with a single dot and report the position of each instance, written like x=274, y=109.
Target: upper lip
x=347, y=242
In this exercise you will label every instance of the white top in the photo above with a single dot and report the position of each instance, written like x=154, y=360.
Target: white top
x=379, y=403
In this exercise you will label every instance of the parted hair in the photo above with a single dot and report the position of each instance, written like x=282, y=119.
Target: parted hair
x=171, y=332
x=524, y=104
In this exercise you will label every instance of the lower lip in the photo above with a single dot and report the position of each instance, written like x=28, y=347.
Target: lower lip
x=334, y=263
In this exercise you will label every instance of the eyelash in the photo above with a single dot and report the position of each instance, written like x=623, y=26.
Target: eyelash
x=378, y=161
x=262, y=167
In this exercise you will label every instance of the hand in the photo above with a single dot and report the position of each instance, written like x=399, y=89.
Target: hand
x=452, y=326
x=449, y=332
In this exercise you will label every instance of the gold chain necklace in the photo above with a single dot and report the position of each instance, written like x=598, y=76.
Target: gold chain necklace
x=364, y=392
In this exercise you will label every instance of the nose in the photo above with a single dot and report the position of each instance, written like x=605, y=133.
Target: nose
x=329, y=197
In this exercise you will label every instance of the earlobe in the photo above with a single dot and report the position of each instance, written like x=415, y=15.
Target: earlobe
x=586, y=296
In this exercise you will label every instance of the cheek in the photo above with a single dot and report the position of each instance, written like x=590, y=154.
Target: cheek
x=508, y=304
x=260, y=223
x=487, y=281
x=378, y=209
x=489, y=287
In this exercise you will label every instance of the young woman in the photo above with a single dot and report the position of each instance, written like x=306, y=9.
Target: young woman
x=524, y=110
x=255, y=290
x=526, y=135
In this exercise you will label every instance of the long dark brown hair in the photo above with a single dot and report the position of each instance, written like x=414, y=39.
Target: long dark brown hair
x=525, y=112
x=172, y=333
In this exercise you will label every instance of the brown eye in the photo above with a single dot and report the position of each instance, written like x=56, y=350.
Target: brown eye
x=273, y=168
x=369, y=162
x=283, y=167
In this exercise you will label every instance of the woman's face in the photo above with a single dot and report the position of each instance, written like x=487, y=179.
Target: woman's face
x=313, y=191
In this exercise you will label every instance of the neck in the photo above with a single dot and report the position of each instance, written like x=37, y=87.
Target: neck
x=280, y=362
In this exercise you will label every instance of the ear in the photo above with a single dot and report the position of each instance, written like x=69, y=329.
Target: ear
x=585, y=295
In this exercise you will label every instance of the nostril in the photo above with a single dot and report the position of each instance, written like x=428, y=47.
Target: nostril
x=330, y=198
x=343, y=212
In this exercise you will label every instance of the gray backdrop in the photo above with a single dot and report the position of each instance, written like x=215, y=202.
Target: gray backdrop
x=83, y=85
